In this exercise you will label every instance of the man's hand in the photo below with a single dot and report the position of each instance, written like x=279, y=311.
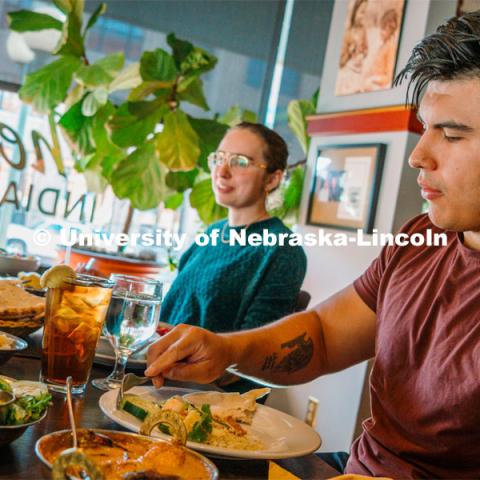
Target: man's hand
x=188, y=354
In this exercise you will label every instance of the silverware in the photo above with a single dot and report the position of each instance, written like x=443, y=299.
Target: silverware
x=70, y=412
x=130, y=380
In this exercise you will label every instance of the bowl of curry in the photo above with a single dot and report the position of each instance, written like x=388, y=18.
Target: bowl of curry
x=126, y=456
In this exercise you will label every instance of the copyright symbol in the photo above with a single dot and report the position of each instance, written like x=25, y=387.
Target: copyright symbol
x=42, y=237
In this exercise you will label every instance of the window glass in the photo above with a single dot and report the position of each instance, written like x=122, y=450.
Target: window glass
x=307, y=43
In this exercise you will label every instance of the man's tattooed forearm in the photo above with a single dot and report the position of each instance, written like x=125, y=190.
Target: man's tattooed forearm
x=299, y=356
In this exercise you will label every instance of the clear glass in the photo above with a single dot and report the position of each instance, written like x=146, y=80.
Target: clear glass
x=73, y=322
x=131, y=322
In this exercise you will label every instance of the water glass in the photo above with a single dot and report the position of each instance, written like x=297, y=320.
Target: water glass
x=131, y=322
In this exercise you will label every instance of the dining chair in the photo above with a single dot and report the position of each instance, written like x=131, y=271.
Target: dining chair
x=303, y=299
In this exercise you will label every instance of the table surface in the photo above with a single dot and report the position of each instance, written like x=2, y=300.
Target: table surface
x=18, y=460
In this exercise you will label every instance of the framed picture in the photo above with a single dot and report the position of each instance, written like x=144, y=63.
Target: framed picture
x=467, y=6
x=369, y=48
x=345, y=186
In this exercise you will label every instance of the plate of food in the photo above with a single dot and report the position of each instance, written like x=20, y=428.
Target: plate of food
x=217, y=424
x=119, y=455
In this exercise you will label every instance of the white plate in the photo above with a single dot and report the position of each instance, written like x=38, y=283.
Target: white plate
x=284, y=436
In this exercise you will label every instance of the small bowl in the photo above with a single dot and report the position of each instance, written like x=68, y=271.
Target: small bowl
x=18, y=346
x=9, y=433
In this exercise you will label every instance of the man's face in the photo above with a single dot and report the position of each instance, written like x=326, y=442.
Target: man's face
x=448, y=153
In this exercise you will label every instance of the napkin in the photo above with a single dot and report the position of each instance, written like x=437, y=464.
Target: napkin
x=276, y=472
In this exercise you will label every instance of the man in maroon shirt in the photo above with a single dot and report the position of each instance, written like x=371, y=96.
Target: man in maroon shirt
x=415, y=310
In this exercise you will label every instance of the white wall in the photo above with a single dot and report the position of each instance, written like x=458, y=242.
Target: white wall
x=332, y=268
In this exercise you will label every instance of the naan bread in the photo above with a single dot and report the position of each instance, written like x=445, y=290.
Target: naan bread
x=240, y=407
x=16, y=302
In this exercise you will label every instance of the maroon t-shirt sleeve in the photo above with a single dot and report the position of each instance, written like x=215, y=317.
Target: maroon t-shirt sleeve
x=367, y=285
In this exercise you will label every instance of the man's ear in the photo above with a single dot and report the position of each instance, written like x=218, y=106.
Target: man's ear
x=273, y=180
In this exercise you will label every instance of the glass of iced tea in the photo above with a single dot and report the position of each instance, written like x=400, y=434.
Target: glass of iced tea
x=75, y=313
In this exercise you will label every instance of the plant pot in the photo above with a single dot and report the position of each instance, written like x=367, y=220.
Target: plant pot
x=106, y=263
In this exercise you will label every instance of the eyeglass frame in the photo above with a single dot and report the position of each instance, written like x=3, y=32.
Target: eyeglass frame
x=227, y=156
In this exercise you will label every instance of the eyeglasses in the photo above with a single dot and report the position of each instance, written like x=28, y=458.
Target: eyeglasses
x=235, y=161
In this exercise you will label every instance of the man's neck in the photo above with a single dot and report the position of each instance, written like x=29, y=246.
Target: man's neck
x=472, y=240
x=246, y=216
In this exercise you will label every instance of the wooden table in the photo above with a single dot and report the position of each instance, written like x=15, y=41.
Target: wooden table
x=18, y=460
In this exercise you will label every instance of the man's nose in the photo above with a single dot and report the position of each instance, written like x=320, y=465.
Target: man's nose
x=423, y=155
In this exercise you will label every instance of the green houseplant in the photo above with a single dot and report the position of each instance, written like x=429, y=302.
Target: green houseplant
x=147, y=147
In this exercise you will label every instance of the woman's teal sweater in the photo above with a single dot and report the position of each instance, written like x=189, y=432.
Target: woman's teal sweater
x=227, y=288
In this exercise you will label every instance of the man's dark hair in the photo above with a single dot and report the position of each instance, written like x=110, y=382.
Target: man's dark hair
x=275, y=151
x=452, y=52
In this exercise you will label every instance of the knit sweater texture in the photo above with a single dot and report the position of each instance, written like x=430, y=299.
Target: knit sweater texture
x=227, y=287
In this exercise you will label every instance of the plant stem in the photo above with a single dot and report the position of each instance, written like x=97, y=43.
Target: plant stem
x=56, y=149
x=128, y=220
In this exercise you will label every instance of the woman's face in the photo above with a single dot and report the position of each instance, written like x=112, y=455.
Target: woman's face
x=240, y=188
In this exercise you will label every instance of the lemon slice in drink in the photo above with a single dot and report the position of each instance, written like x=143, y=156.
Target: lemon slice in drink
x=58, y=276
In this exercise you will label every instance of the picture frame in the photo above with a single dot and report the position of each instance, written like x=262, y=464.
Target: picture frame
x=370, y=43
x=467, y=6
x=346, y=185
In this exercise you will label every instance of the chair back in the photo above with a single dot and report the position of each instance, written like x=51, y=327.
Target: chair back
x=303, y=299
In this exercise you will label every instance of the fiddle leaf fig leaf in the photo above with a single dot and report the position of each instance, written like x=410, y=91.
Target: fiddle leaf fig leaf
x=29, y=21
x=173, y=201
x=93, y=101
x=180, y=48
x=140, y=178
x=297, y=120
x=193, y=94
x=147, y=88
x=177, y=144
x=210, y=134
x=99, y=131
x=129, y=78
x=188, y=58
x=101, y=9
x=71, y=40
x=235, y=115
x=78, y=129
x=108, y=154
x=158, y=65
x=48, y=86
x=96, y=182
x=291, y=191
x=134, y=121
x=181, y=181
x=202, y=199
x=101, y=72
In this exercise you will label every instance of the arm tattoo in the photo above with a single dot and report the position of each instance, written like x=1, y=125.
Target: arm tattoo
x=299, y=356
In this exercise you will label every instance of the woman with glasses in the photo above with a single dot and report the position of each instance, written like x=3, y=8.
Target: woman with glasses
x=228, y=286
